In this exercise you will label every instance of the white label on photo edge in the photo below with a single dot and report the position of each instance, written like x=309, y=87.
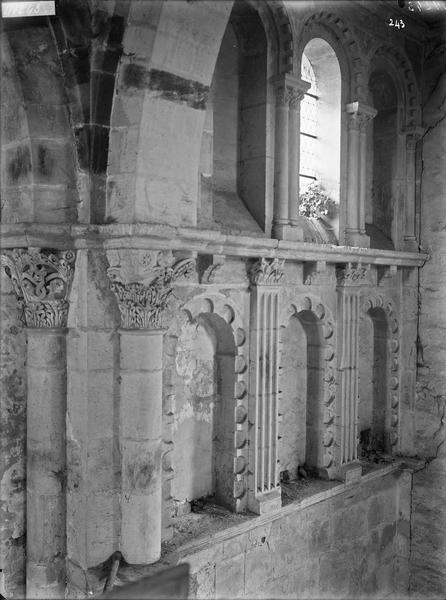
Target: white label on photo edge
x=28, y=9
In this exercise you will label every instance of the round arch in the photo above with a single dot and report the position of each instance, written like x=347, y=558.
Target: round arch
x=395, y=62
x=339, y=35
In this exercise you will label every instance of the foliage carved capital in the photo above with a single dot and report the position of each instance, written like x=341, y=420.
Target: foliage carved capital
x=142, y=282
x=41, y=280
x=290, y=89
x=265, y=272
x=352, y=274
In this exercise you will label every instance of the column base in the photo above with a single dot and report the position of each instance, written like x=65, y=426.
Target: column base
x=354, y=237
x=291, y=232
x=46, y=581
x=350, y=472
x=410, y=244
x=266, y=503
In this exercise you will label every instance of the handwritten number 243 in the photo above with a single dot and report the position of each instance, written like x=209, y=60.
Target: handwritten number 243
x=398, y=23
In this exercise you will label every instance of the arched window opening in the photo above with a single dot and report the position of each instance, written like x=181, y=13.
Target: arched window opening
x=308, y=127
x=203, y=427
x=233, y=154
x=302, y=386
x=382, y=205
x=372, y=408
x=320, y=132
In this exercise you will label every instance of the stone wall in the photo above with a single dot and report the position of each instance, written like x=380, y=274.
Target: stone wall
x=428, y=564
x=13, y=445
x=348, y=542
x=105, y=125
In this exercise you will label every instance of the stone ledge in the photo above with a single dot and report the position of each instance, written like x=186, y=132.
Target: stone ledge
x=164, y=237
x=254, y=522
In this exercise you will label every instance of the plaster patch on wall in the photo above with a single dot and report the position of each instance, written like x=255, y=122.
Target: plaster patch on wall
x=202, y=412
x=195, y=360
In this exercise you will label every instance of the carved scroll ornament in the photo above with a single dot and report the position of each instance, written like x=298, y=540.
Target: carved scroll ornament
x=41, y=280
x=142, y=303
x=267, y=273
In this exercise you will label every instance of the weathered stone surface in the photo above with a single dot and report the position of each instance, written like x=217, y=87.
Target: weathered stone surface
x=428, y=565
x=12, y=445
x=185, y=134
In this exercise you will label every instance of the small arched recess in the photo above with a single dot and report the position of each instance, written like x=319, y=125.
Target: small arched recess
x=307, y=384
x=205, y=412
x=378, y=409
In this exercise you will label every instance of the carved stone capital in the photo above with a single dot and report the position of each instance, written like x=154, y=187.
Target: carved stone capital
x=352, y=274
x=296, y=98
x=360, y=115
x=283, y=96
x=142, y=282
x=265, y=272
x=290, y=89
x=413, y=135
x=41, y=280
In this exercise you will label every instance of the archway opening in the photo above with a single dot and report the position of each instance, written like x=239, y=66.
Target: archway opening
x=233, y=154
x=320, y=134
x=382, y=205
x=373, y=367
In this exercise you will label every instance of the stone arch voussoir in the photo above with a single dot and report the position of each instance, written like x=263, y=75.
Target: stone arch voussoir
x=334, y=30
x=407, y=81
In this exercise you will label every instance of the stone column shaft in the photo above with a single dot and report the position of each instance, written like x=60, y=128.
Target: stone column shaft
x=294, y=160
x=264, y=492
x=410, y=234
x=42, y=281
x=359, y=117
x=289, y=93
x=281, y=164
x=349, y=376
x=350, y=279
x=362, y=179
x=142, y=282
x=140, y=418
x=352, y=212
x=46, y=463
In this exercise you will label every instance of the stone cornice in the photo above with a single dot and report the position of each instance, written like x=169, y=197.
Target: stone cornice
x=148, y=236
